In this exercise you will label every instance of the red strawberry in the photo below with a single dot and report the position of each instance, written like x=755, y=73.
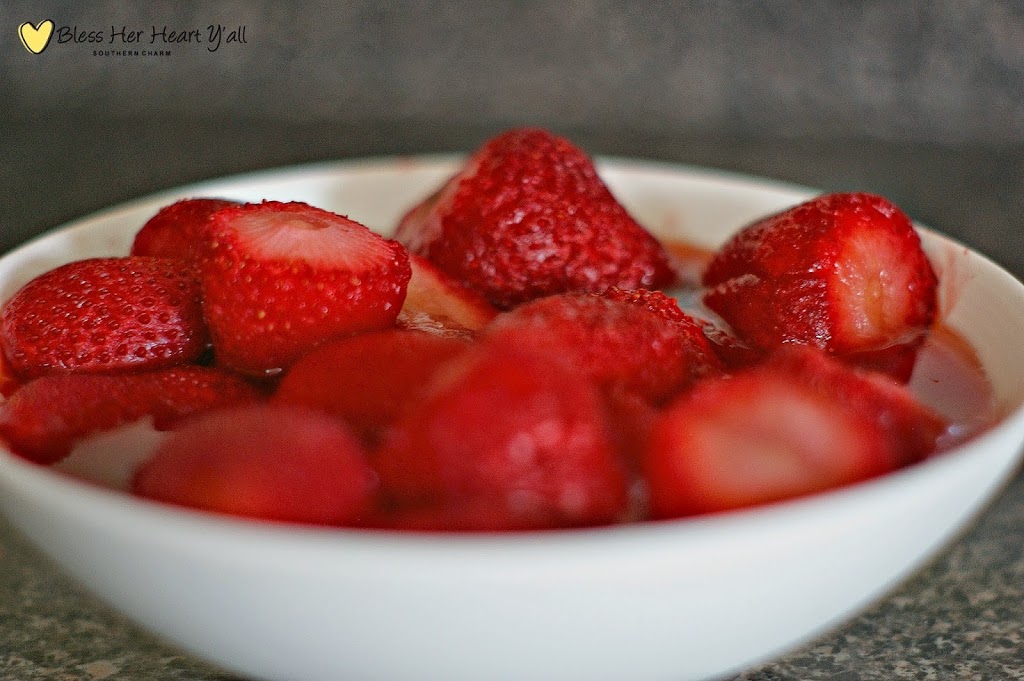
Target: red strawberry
x=263, y=461
x=842, y=272
x=44, y=418
x=510, y=430
x=280, y=278
x=105, y=314
x=441, y=297
x=620, y=343
x=911, y=429
x=528, y=216
x=178, y=230
x=478, y=516
x=367, y=379
x=756, y=437
x=8, y=381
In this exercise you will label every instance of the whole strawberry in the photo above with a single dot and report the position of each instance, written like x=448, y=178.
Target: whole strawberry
x=281, y=278
x=842, y=272
x=104, y=314
x=528, y=216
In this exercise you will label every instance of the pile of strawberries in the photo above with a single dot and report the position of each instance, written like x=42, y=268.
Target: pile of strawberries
x=511, y=361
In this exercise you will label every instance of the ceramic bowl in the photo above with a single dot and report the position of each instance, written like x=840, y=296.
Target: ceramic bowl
x=660, y=601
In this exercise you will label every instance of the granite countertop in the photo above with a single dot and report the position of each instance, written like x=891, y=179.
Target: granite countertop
x=960, y=617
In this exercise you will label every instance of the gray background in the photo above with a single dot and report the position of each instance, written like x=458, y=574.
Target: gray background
x=920, y=101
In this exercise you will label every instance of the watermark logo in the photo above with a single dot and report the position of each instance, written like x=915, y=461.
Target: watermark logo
x=128, y=41
x=36, y=38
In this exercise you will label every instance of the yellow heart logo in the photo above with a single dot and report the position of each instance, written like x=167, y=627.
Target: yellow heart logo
x=36, y=38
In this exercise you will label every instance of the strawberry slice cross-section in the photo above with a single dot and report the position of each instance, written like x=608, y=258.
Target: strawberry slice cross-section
x=281, y=278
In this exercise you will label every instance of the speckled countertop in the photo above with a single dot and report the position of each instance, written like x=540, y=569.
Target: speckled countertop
x=961, y=617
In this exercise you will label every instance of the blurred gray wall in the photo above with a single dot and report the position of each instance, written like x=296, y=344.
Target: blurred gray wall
x=920, y=101
x=949, y=71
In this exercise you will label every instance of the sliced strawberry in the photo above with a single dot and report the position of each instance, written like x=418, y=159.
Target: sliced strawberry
x=911, y=429
x=367, y=379
x=44, y=418
x=439, y=296
x=528, y=216
x=280, y=278
x=105, y=314
x=178, y=230
x=842, y=272
x=271, y=462
x=756, y=437
x=511, y=430
x=620, y=343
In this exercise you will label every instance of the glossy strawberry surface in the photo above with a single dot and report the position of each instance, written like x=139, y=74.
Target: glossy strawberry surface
x=105, y=314
x=368, y=379
x=529, y=216
x=46, y=417
x=511, y=430
x=615, y=340
x=178, y=230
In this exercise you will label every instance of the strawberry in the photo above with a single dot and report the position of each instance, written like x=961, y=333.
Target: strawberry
x=272, y=462
x=280, y=278
x=911, y=429
x=759, y=436
x=178, y=230
x=8, y=381
x=637, y=342
x=528, y=216
x=842, y=272
x=367, y=379
x=441, y=297
x=44, y=418
x=509, y=430
x=105, y=314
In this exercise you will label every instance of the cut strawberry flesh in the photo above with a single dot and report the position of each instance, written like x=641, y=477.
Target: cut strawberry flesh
x=757, y=437
x=842, y=272
x=436, y=294
x=281, y=278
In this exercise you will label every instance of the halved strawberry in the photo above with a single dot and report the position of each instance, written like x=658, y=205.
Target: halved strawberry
x=367, y=379
x=759, y=436
x=617, y=339
x=272, y=462
x=280, y=278
x=842, y=272
x=105, y=314
x=441, y=297
x=508, y=429
x=178, y=230
x=912, y=430
x=44, y=418
x=528, y=216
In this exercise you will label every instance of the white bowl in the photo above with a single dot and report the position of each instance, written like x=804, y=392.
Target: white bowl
x=676, y=600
